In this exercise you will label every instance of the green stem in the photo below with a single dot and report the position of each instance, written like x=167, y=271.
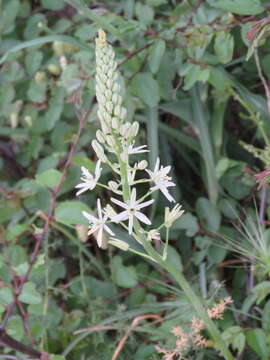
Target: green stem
x=195, y=301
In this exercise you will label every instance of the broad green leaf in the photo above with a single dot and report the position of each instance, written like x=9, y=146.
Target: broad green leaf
x=33, y=61
x=15, y=327
x=9, y=14
x=56, y=105
x=6, y=296
x=241, y=7
x=70, y=213
x=156, y=53
x=124, y=276
x=49, y=178
x=186, y=222
x=224, y=45
x=256, y=339
x=208, y=214
x=29, y=294
x=146, y=88
x=234, y=335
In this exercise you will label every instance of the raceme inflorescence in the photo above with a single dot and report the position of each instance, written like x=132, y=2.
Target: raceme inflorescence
x=115, y=146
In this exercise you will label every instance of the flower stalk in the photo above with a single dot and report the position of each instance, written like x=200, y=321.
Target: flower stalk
x=115, y=145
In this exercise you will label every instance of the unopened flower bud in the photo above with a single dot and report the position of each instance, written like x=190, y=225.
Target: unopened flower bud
x=110, y=140
x=119, y=244
x=142, y=165
x=113, y=185
x=115, y=123
x=109, y=106
x=100, y=136
x=99, y=151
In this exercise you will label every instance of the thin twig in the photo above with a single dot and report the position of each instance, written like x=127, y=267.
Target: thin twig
x=134, y=324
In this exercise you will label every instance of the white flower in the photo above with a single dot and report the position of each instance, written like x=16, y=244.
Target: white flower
x=98, y=224
x=89, y=181
x=132, y=208
x=161, y=179
x=137, y=150
x=171, y=216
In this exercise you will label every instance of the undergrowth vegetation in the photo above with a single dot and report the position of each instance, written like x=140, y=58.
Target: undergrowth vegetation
x=177, y=100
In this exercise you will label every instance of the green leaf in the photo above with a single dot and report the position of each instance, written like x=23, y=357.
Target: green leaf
x=33, y=61
x=241, y=7
x=52, y=4
x=256, y=339
x=234, y=335
x=146, y=88
x=29, y=294
x=70, y=213
x=201, y=118
x=124, y=276
x=15, y=327
x=57, y=357
x=174, y=258
x=6, y=296
x=208, y=214
x=156, y=53
x=261, y=290
x=49, y=178
x=224, y=45
x=186, y=222
x=266, y=316
x=9, y=14
x=56, y=105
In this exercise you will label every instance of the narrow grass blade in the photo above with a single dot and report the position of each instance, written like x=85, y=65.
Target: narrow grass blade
x=43, y=40
x=201, y=119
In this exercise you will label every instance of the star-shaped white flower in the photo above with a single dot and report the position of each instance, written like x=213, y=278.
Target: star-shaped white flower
x=98, y=224
x=132, y=208
x=88, y=180
x=161, y=179
x=136, y=150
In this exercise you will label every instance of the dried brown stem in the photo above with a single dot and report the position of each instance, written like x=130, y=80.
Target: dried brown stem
x=134, y=324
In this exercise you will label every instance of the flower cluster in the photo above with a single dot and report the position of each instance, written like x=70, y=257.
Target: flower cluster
x=193, y=338
x=114, y=146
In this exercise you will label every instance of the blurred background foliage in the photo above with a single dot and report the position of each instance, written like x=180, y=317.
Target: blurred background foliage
x=202, y=108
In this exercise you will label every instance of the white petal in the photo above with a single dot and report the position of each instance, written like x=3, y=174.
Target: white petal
x=89, y=217
x=142, y=217
x=109, y=230
x=166, y=194
x=144, y=204
x=99, y=210
x=130, y=225
x=120, y=217
x=120, y=203
x=83, y=189
x=100, y=236
x=86, y=173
